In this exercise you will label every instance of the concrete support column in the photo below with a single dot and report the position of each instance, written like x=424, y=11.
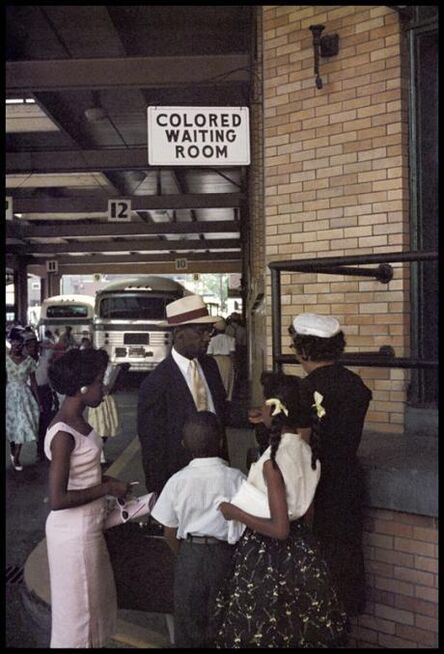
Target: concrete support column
x=52, y=284
x=43, y=289
x=21, y=291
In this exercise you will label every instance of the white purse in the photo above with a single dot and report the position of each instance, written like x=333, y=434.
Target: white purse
x=120, y=511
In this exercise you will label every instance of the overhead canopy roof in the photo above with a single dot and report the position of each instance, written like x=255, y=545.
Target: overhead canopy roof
x=79, y=80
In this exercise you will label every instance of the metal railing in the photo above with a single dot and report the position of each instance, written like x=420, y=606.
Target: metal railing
x=385, y=357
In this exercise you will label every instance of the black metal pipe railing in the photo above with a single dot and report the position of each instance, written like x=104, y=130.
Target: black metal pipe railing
x=385, y=357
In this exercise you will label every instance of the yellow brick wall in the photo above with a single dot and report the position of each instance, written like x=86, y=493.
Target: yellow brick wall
x=336, y=179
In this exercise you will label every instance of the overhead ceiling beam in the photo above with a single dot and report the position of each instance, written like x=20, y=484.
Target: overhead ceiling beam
x=141, y=268
x=138, y=203
x=69, y=230
x=136, y=258
x=78, y=161
x=125, y=72
x=125, y=246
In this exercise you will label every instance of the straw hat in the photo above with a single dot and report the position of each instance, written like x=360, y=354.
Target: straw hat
x=188, y=310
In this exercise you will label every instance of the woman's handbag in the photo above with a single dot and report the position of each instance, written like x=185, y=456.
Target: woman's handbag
x=120, y=511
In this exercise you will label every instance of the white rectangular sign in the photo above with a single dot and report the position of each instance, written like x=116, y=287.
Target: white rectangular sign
x=52, y=265
x=198, y=136
x=119, y=210
x=181, y=264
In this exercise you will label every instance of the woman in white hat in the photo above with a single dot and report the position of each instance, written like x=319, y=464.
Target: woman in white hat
x=340, y=401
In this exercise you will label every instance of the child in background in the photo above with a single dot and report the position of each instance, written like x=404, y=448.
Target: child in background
x=104, y=418
x=195, y=530
x=280, y=592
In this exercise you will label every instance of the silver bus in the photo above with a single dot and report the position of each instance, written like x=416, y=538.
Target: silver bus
x=60, y=311
x=127, y=317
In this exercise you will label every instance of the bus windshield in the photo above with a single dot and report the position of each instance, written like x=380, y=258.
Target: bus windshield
x=132, y=306
x=67, y=311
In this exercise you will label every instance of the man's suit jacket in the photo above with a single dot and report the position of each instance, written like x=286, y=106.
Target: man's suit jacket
x=165, y=403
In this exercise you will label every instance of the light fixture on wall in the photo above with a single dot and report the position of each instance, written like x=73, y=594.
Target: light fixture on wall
x=323, y=46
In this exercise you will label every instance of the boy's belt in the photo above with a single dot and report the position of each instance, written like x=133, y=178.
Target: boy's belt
x=204, y=540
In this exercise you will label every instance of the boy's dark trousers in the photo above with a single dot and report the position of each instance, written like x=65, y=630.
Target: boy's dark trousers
x=200, y=571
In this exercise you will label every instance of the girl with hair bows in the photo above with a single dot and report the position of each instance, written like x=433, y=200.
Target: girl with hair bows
x=280, y=592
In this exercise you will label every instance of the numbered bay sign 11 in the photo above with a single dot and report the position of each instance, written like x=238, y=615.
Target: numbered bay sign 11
x=119, y=210
x=52, y=266
x=198, y=136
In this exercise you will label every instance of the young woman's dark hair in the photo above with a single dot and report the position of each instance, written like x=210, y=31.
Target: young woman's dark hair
x=286, y=389
x=76, y=368
x=315, y=348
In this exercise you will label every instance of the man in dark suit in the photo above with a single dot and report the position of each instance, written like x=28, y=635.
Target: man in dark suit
x=187, y=381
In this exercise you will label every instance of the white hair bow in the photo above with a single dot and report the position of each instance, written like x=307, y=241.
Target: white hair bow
x=317, y=404
x=278, y=406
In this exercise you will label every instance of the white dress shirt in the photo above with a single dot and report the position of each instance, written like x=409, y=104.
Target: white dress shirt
x=185, y=369
x=187, y=500
x=222, y=344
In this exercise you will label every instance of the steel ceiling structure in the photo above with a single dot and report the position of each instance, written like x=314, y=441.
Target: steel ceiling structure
x=78, y=83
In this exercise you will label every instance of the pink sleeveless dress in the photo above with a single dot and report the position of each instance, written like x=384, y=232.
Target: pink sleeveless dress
x=83, y=593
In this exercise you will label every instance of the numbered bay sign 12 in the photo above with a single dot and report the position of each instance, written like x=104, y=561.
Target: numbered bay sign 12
x=119, y=210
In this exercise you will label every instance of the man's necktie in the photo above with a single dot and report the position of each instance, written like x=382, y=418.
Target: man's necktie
x=198, y=387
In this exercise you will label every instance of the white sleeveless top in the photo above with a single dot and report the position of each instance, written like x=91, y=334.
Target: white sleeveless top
x=294, y=460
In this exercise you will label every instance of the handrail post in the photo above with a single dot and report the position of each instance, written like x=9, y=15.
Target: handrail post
x=276, y=317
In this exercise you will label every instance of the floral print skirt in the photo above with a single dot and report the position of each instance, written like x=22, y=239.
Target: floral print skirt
x=279, y=595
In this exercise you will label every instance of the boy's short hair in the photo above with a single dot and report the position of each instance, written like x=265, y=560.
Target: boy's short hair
x=202, y=434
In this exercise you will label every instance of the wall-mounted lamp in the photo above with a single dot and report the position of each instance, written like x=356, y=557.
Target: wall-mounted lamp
x=323, y=46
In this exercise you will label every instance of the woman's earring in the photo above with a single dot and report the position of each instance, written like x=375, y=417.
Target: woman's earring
x=84, y=390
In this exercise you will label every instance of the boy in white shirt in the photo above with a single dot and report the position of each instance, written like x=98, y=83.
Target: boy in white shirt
x=195, y=530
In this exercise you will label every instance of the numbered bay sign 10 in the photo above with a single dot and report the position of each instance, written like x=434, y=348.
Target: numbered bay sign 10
x=198, y=136
x=119, y=210
x=181, y=264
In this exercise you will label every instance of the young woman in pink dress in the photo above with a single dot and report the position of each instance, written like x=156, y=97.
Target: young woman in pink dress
x=83, y=594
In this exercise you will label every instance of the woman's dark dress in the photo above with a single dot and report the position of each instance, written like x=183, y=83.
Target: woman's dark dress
x=337, y=518
x=279, y=595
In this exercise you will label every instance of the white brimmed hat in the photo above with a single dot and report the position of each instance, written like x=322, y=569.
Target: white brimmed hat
x=188, y=310
x=312, y=324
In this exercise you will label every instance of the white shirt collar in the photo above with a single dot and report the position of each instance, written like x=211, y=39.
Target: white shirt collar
x=207, y=461
x=181, y=361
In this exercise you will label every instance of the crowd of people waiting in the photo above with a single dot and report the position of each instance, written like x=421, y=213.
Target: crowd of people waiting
x=273, y=559
x=31, y=401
